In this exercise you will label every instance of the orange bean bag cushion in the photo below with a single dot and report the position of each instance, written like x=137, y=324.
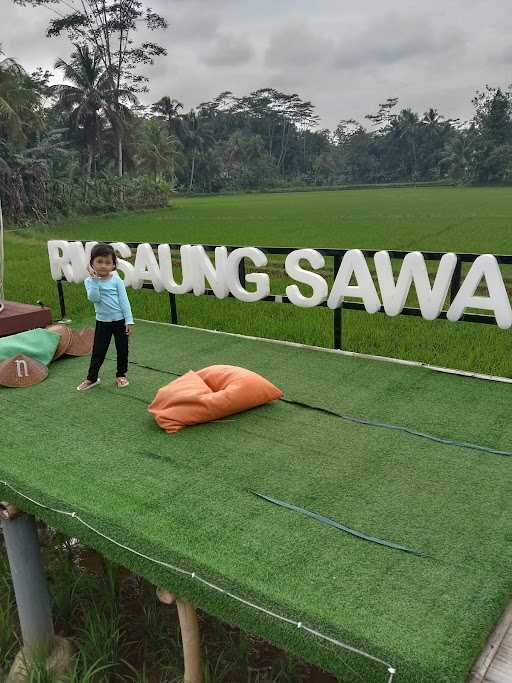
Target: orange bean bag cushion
x=209, y=394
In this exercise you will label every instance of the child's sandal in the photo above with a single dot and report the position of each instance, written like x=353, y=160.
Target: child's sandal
x=87, y=384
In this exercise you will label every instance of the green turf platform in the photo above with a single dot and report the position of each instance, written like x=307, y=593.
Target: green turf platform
x=183, y=499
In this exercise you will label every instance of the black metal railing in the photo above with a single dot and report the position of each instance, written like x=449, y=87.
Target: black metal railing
x=337, y=256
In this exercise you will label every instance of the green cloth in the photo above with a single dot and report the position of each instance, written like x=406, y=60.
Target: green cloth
x=39, y=344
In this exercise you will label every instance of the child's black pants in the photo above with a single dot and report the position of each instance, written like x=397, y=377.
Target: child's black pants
x=102, y=337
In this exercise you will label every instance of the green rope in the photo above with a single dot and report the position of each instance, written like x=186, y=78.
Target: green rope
x=369, y=423
x=331, y=522
x=407, y=430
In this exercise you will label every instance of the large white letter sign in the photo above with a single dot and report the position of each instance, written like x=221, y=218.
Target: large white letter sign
x=354, y=263
x=60, y=262
x=485, y=266
x=166, y=270
x=146, y=268
x=261, y=280
x=69, y=259
x=125, y=267
x=204, y=270
x=314, y=280
x=414, y=269
x=80, y=259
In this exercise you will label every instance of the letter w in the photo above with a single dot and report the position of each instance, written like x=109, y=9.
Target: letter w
x=414, y=269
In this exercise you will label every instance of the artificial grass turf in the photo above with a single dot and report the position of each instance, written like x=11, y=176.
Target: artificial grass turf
x=184, y=499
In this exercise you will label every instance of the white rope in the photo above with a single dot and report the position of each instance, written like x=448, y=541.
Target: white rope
x=193, y=575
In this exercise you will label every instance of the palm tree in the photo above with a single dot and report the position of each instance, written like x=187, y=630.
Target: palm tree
x=407, y=123
x=19, y=101
x=10, y=127
x=170, y=110
x=22, y=120
x=10, y=120
x=160, y=153
x=432, y=118
x=90, y=97
x=195, y=137
x=456, y=157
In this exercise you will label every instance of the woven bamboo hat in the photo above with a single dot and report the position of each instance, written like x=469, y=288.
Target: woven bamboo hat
x=81, y=342
x=65, y=333
x=22, y=371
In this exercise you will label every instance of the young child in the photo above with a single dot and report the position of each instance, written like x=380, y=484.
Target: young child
x=113, y=314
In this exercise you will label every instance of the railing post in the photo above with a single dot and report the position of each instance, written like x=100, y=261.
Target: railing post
x=62, y=304
x=454, y=288
x=338, y=312
x=174, y=310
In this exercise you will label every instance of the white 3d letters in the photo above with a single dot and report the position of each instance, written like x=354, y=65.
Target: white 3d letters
x=146, y=268
x=166, y=270
x=124, y=266
x=80, y=259
x=204, y=270
x=60, y=262
x=430, y=299
x=69, y=260
x=485, y=266
x=314, y=280
x=261, y=280
x=354, y=263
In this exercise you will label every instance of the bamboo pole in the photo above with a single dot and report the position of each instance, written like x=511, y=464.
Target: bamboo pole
x=190, y=636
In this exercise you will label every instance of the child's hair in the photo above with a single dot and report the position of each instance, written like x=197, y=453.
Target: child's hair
x=103, y=249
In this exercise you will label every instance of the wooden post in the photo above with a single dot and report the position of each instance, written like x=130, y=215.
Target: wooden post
x=190, y=636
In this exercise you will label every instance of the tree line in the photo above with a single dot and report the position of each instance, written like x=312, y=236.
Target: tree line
x=89, y=144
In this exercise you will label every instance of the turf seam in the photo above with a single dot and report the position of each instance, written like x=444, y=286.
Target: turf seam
x=408, y=430
x=337, y=525
x=193, y=575
x=357, y=420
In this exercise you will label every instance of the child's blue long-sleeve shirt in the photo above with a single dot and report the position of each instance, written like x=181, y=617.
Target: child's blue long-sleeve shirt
x=109, y=298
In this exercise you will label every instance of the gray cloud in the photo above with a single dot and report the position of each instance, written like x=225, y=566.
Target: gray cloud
x=190, y=24
x=396, y=37
x=345, y=58
x=230, y=50
x=295, y=45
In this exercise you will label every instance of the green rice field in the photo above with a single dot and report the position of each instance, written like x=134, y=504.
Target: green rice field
x=430, y=219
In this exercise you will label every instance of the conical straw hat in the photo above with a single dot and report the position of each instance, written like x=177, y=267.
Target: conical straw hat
x=81, y=342
x=22, y=371
x=65, y=334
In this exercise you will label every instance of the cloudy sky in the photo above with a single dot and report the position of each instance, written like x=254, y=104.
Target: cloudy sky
x=345, y=57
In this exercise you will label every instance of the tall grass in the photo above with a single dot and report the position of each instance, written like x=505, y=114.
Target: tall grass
x=120, y=631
